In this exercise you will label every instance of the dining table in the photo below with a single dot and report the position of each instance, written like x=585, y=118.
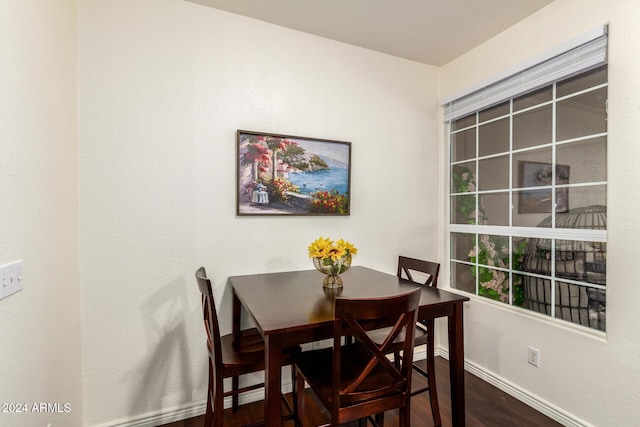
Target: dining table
x=293, y=308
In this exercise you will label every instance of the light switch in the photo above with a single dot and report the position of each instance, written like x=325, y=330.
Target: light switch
x=10, y=278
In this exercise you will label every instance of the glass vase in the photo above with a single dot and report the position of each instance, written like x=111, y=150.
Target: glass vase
x=332, y=269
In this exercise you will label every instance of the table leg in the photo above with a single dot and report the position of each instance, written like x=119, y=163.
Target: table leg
x=235, y=319
x=273, y=380
x=456, y=366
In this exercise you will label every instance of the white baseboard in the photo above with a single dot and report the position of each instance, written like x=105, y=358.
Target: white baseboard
x=160, y=417
x=537, y=403
x=196, y=409
x=190, y=410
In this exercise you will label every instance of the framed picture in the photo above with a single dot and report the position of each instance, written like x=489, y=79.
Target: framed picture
x=292, y=175
x=537, y=174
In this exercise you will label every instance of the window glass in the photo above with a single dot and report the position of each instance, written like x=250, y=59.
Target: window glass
x=536, y=293
x=518, y=248
x=463, y=177
x=582, y=261
x=536, y=256
x=491, y=174
x=495, y=285
x=494, y=112
x=582, y=115
x=464, y=122
x=493, y=137
x=535, y=201
x=464, y=276
x=526, y=164
x=531, y=208
x=494, y=208
x=533, y=98
x=526, y=219
x=531, y=128
x=462, y=244
x=492, y=251
x=463, y=209
x=580, y=197
x=587, y=159
x=582, y=81
x=593, y=217
x=572, y=303
x=463, y=145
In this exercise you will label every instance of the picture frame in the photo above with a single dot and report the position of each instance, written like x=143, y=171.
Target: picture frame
x=291, y=175
x=539, y=174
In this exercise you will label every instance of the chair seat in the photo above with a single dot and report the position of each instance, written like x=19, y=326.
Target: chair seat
x=378, y=335
x=316, y=367
x=249, y=351
x=250, y=341
x=232, y=358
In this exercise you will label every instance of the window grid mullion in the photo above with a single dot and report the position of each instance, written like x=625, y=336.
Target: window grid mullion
x=553, y=154
x=511, y=200
x=477, y=198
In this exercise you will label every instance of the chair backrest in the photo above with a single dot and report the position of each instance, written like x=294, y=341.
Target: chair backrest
x=211, y=325
x=408, y=265
x=379, y=377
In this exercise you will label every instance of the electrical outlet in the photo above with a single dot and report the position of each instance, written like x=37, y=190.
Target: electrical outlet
x=10, y=278
x=534, y=357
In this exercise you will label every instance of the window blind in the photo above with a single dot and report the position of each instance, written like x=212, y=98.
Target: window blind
x=583, y=53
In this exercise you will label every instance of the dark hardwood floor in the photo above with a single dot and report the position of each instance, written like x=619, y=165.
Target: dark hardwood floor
x=485, y=406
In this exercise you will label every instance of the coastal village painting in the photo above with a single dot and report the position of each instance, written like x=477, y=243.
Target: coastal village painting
x=289, y=175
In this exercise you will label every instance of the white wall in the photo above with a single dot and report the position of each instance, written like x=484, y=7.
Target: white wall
x=588, y=378
x=40, y=325
x=164, y=84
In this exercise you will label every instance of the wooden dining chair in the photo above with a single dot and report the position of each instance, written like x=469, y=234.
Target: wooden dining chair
x=357, y=381
x=424, y=273
x=230, y=359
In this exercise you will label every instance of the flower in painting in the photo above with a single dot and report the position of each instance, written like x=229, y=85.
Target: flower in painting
x=329, y=202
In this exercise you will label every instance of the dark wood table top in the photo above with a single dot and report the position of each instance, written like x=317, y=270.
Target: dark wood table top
x=296, y=300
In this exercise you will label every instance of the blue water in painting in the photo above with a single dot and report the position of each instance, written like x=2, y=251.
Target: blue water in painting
x=327, y=179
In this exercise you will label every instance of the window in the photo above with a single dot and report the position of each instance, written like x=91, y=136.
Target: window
x=528, y=195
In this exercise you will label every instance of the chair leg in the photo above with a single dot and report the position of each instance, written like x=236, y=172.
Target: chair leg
x=218, y=406
x=235, y=385
x=294, y=396
x=404, y=420
x=380, y=419
x=431, y=369
x=433, y=395
x=208, y=418
x=299, y=389
x=396, y=359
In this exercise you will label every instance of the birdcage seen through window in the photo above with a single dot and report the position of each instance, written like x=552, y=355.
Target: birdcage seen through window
x=579, y=267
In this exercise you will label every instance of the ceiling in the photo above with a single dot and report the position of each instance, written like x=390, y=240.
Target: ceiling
x=429, y=31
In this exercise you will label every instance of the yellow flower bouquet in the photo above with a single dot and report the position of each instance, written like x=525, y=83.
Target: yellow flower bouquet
x=331, y=258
